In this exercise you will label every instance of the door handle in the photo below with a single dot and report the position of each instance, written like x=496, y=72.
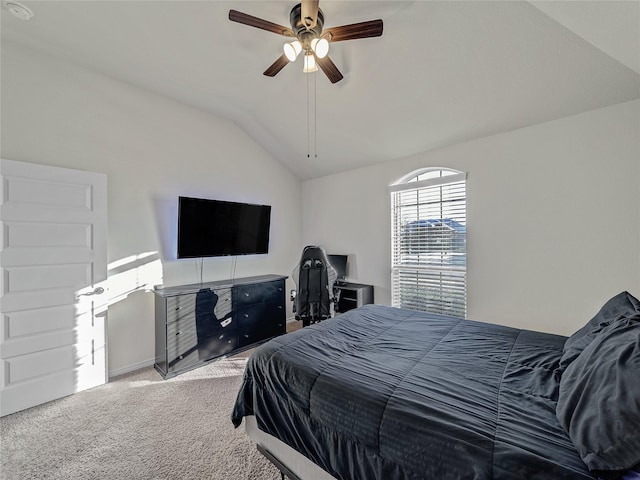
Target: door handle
x=96, y=291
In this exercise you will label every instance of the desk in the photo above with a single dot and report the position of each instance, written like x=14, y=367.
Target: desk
x=353, y=295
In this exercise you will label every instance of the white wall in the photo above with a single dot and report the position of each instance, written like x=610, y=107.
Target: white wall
x=152, y=150
x=553, y=218
x=553, y=209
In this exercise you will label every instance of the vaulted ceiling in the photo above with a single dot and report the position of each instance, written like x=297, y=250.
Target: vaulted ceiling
x=443, y=72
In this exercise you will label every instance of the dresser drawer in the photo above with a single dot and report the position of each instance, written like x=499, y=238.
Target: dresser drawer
x=223, y=307
x=213, y=311
x=269, y=292
x=219, y=344
x=182, y=354
x=181, y=306
x=255, y=315
x=188, y=328
x=247, y=336
x=182, y=333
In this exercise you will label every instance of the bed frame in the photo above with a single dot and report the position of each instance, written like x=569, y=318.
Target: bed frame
x=292, y=465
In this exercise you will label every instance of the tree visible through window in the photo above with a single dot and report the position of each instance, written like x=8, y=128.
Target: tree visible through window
x=429, y=230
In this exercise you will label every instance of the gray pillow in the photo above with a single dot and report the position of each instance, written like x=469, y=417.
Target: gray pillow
x=599, y=398
x=621, y=306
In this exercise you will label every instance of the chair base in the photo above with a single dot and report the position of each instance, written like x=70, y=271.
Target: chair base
x=310, y=321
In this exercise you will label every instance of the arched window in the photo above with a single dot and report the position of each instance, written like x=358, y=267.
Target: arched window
x=429, y=230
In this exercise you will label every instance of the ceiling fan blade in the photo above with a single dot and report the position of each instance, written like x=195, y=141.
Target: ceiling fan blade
x=276, y=66
x=309, y=14
x=329, y=68
x=256, y=22
x=372, y=28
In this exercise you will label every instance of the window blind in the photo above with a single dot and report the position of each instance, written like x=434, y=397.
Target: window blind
x=429, y=244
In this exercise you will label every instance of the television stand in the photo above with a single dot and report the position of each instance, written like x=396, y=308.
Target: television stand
x=352, y=295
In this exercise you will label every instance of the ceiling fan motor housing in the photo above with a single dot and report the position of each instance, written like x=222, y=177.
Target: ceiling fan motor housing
x=304, y=34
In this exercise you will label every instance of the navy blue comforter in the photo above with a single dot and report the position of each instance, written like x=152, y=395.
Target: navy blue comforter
x=385, y=393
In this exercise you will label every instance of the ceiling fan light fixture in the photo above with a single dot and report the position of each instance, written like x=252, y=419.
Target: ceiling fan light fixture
x=320, y=46
x=292, y=50
x=309, y=63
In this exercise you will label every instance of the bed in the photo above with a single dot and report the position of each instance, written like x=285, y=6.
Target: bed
x=382, y=393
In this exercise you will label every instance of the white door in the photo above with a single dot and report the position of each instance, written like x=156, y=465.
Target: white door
x=53, y=265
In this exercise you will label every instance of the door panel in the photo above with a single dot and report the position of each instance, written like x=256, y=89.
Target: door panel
x=52, y=191
x=48, y=235
x=52, y=330
x=29, y=322
x=40, y=277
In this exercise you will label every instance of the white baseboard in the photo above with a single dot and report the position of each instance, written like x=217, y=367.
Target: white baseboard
x=131, y=368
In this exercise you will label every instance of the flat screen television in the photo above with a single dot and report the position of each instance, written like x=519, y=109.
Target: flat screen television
x=212, y=228
x=339, y=262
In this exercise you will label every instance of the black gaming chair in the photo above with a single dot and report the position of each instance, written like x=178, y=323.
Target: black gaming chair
x=314, y=278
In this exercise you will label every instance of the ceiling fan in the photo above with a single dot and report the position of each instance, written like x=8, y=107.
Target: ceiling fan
x=307, y=22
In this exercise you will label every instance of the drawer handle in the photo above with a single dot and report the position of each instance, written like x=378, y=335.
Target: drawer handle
x=246, y=335
x=177, y=308
x=280, y=307
x=246, y=315
x=180, y=357
x=246, y=294
x=178, y=332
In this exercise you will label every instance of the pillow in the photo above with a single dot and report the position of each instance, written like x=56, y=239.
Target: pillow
x=622, y=305
x=599, y=398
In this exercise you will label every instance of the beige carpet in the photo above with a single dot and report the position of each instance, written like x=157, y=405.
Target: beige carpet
x=138, y=426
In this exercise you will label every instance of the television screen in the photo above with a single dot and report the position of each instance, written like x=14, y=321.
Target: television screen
x=339, y=262
x=211, y=228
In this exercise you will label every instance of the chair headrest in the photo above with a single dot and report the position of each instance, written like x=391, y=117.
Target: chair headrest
x=314, y=252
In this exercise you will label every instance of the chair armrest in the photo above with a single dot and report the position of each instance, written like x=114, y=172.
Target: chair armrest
x=292, y=296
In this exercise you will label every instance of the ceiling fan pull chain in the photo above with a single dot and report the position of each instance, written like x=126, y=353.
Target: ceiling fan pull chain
x=315, y=116
x=308, y=120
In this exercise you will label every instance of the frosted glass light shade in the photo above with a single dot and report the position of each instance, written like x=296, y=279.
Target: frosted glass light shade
x=320, y=46
x=309, y=63
x=291, y=50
